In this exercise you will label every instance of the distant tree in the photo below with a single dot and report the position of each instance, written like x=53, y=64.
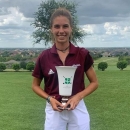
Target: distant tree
x=126, y=54
x=122, y=64
x=23, y=64
x=95, y=56
x=42, y=18
x=102, y=66
x=18, y=57
x=2, y=66
x=120, y=58
x=124, y=58
x=2, y=59
x=24, y=53
x=128, y=59
x=30, y=66
x=5, y=54
x=16, y=67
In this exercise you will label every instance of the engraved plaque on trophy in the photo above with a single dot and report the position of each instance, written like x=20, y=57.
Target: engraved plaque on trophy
x=65, y=78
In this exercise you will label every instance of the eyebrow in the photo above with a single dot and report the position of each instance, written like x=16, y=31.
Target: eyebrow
x=62, y=25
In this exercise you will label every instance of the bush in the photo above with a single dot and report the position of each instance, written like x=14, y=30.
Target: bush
x=16, y=67
x=30, y=66
x=122, y=64
x=124, y=58
x=102, y=66
x=2, y=66
x=23, y=65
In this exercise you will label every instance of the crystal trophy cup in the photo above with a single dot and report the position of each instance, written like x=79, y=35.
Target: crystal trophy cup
x=65, y=78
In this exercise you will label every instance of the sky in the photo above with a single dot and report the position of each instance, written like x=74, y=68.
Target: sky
x=107, y=23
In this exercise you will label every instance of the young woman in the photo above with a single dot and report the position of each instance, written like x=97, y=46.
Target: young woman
x=64, y=53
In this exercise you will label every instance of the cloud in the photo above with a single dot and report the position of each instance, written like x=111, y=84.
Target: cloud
x=127, y=29
x=15, y=28
x=112, y=29
x=108, y=34
x=13, y=18
x=108, y=22
x=93, y=29
x=98, y=12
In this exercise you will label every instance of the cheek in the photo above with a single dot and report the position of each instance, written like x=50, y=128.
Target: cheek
x=70, y=32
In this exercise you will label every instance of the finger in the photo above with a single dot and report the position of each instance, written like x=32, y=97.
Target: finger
x=68, y=103
x=56, y=107
x=58, y=104
x=72, y=106
x=55, y=104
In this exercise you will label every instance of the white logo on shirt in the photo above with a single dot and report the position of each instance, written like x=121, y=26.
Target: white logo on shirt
x=76, y=65
x=51, y=72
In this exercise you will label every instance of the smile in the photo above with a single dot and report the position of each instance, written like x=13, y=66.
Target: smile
x=61, y=35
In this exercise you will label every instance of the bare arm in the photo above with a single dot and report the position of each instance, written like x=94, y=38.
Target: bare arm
x=88, y=90
x=39, y=91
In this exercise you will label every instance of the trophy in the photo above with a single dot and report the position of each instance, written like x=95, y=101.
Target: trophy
x=65, y=78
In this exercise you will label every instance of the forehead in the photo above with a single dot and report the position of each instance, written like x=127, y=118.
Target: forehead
x=61, y=20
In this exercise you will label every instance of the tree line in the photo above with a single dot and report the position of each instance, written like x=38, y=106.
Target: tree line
x=22, y=65
x=121, y=64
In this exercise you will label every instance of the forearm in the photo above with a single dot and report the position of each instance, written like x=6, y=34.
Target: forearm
x=39, y=91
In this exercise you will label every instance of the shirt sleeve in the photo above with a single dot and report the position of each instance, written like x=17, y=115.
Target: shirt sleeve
x=38, y=72
x=88, y=61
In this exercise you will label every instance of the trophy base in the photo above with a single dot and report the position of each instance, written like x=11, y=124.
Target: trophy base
x=64, y=100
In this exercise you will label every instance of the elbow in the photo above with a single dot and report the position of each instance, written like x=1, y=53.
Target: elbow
x=96, y=84
x=33, y=87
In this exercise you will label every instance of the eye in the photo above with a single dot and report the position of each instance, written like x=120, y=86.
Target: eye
x=65, y=26
x=56, y=26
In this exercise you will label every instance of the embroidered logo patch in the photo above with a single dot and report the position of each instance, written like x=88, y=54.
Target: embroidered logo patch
x=51, y=72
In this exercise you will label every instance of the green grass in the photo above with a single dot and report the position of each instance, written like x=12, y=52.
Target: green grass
x=20, y=108
x=109, y=105
x=109, y=60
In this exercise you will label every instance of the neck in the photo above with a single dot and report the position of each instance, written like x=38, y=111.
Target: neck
x=62, y=48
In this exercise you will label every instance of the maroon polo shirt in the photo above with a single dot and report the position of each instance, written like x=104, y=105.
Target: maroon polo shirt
x=48, y=59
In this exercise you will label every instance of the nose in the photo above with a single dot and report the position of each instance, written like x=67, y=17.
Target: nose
x=61, y=29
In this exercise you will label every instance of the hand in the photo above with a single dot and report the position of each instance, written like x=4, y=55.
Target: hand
x=55, y=104
x=73, y=102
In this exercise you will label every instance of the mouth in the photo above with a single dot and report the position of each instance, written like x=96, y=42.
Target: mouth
x=61, y=35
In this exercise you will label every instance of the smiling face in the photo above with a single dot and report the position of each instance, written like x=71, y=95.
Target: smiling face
x=61, y=29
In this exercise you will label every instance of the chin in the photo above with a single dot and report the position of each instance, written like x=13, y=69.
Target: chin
x=62, y=41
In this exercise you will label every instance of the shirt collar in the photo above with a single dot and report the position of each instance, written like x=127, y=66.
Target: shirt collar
x=72, y=49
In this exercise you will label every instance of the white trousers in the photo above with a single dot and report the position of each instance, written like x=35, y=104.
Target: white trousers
x=77, y=119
